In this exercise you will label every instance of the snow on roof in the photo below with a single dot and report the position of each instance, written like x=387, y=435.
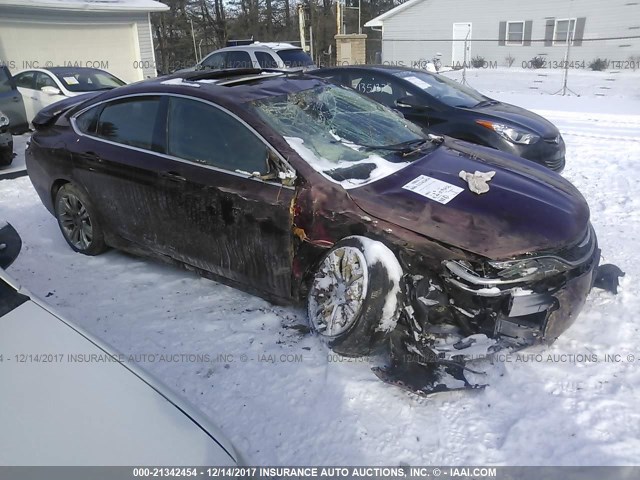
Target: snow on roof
x=275, y=45
x=377, y=22
x=90, y=5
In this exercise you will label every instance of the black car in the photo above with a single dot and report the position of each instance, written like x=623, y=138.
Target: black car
x=446, y=107
x=297, y=189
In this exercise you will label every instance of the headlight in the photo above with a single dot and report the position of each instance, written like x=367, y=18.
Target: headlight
x=529, y=269
x=512, y=134
x=4, y=120
x=507, y=272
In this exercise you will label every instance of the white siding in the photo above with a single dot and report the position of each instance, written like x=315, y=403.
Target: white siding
x=144, y=64
x=421, y=30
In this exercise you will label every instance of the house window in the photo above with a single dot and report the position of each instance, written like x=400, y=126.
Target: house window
x=515, y=33
x=564, y=29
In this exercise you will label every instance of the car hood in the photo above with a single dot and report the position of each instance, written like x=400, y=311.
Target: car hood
x=528, y=208
x=518, y=116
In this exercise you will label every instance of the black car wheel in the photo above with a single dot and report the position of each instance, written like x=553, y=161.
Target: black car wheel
x=77, y=220
x=353, y=295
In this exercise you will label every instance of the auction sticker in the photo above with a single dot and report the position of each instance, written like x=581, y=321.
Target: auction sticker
x=418, y=82
x=433, y=189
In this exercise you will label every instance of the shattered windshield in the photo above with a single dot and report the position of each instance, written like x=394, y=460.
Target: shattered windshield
x=345, y=136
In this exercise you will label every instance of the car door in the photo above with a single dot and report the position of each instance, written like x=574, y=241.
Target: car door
x=115, y=160
x=46, y=97
x=217, y=215
x=26, y=84
x=12, y=103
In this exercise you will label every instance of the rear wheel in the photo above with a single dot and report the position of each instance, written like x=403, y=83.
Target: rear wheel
x=355, y=296
x=77, y=220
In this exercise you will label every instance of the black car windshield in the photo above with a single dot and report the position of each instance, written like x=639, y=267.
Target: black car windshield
x=343, y=135
x=295, y=57
x=444, y=89
x=87, y=80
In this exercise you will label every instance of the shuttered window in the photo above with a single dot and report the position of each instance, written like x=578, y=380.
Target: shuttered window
x=515, y=33
x=564, y=30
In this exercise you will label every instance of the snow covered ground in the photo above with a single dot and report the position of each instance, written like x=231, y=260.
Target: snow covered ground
x=283, y=399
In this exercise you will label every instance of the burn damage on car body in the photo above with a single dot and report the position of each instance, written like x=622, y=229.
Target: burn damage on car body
x=506, y=269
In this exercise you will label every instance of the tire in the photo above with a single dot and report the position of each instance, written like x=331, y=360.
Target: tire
x=6, y=155
x=78, y=220
x=355, y=296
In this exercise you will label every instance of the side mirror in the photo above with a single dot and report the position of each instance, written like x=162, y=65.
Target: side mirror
x=49, y=90
x=411, y=101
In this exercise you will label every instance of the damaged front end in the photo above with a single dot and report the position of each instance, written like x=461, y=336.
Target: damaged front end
x=473, y=309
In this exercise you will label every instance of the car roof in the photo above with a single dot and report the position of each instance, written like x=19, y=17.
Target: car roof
x=260, y=47
x=227, y=87
x=383, y=68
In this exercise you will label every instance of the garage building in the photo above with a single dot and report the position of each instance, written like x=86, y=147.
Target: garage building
x=114, y=35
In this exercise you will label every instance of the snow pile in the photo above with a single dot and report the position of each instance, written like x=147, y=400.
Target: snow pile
x=383, y=167
x=180, y=81
x=376, y=252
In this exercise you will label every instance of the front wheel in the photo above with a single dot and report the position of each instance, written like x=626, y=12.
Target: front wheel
x=355, y=296
x=78, y=221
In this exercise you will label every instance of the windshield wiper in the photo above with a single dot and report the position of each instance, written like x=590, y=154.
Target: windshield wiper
x=484, y=103
x=405, y=148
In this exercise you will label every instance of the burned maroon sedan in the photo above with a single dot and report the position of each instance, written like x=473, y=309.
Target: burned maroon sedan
x=298, y=190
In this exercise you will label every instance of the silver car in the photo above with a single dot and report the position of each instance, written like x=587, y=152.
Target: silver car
x=281, y=56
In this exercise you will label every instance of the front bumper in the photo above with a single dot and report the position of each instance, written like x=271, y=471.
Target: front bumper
x=549, y=152
x=521, y=313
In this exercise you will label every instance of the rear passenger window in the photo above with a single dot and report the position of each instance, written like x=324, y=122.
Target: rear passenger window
x=202, y=133
x=238, y=59
x=130, y=122
x=265, y=60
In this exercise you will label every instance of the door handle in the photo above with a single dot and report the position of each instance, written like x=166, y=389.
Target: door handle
x=90, y=160
x=91, y=156
x=173, y=176
x=16, y=99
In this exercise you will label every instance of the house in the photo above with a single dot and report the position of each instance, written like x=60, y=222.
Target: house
x=114, y=35
x=508, y=32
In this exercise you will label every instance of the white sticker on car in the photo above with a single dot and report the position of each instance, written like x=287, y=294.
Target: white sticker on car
x=418, y=82
x=433, y=189
x=71, y=80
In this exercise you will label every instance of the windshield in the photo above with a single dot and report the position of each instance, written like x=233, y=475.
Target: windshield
x=343, y=135
x=88, y=80
x=448, y=91
x=295, y=58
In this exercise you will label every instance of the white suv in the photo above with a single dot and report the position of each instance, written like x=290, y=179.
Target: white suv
x=283, y=56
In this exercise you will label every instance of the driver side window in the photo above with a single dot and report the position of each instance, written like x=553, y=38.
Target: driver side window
x=25, y=80
x=378, y=87
x=44, y=80
x=215, y=61
x=202, y=133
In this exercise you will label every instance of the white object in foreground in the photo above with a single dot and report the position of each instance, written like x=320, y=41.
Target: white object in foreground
x=64, y=402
